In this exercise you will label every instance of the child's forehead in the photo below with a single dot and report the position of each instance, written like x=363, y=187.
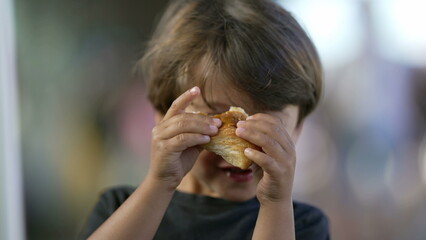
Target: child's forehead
x=218, y=88
x=219, y=98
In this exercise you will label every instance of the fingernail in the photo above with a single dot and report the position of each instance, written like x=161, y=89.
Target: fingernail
x=206, y=138
x=194, y=90
x=217, y=121
x=249, y=117
x=240, y=130
x=239, y=123
x=213, y=128
x=248, y=150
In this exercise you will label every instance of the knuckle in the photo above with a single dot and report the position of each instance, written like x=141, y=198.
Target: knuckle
x=155, y=134
x=180, y=124
x=181, y=138
x=154, y=131
x=270, y=141
x=277, y=120
x=267, y=116
x=256, y=116
x=277, y=129
x=162, y=145
x=273, y=118
x=267, y=161
x=170, y=146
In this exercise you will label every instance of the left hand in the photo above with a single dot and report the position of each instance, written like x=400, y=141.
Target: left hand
x=276, y=164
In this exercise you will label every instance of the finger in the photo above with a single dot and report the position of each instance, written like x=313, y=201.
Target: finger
x=272, y=129
x=273, y=120
x=269, y=118
x=189, y=123
x=264, y=161
x=268, y=144
x=184, y=141
x=265, y=117
x=182, y=102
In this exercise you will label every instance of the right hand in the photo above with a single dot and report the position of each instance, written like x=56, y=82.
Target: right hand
x=175, y=139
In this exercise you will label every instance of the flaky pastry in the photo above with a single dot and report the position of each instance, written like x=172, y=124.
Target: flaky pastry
x=228, y=145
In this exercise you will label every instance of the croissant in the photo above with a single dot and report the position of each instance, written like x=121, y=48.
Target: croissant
x=228, y=145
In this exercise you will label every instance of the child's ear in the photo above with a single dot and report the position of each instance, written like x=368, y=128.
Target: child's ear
x=158, y=117
x=297, y=131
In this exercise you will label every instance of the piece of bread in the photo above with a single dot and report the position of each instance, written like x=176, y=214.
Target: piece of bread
x=228, y=145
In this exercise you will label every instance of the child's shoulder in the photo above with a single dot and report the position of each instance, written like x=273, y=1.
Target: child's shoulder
x=113, y=197
x=120, y=191
x=118, y=194
x=304, y=213
x=310, y=217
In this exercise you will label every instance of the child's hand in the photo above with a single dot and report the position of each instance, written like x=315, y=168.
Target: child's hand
x=175, y=138
x=276, y=164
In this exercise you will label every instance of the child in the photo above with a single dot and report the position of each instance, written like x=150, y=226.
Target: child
x=246, y=53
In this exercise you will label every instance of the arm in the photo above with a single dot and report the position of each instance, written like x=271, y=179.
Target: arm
x=275, y=221
x=174, y=151
x=139, y=216
x=275, y=172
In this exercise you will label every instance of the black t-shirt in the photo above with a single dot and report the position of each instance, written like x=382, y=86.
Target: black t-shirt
x=190, y=216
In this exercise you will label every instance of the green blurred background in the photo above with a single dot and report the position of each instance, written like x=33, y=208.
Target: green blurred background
x=77, y=97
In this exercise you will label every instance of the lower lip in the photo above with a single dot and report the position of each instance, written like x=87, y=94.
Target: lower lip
x=245, y=176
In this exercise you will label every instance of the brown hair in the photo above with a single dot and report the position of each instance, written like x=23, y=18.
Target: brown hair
x=255, y=45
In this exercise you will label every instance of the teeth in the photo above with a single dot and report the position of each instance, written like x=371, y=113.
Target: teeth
x=228, y=173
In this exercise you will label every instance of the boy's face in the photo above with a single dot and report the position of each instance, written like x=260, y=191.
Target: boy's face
x=211, y=173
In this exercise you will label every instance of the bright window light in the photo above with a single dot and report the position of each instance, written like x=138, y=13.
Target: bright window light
x=333, y=25
x=401, y=28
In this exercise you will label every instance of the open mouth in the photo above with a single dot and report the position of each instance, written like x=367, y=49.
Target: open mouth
x=238, y=174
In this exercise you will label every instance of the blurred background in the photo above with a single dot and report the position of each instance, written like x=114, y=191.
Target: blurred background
x=86, y=124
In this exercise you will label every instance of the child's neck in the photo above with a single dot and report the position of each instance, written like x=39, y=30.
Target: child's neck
x=190, y=184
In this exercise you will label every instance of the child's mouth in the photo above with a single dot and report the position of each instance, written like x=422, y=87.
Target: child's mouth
x=238, y=174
